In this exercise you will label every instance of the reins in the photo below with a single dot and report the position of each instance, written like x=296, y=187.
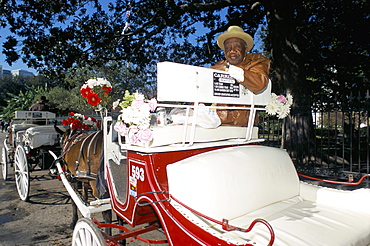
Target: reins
x=84, y=137
x=94, y=136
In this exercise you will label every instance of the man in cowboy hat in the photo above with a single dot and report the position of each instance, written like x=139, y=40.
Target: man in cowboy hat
x=249, y=69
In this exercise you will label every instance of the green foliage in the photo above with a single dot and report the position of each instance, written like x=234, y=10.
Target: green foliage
x=319, y=40
x=121, y=77
x=21, y=101
x=127, y=99
x=63, y=35
x=63, y=101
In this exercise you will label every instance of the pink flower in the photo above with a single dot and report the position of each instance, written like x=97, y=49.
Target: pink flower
x=137, y=104
x=152, y=104
x=121, y=128
x=132, y=134
x=281, y=99
x=145, y=135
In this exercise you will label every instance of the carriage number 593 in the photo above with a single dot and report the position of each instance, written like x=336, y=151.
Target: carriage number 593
x=137, y=172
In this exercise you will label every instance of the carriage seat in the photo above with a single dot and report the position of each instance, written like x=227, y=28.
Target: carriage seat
x=41, y=136
x=20, y=127
x=249, y=182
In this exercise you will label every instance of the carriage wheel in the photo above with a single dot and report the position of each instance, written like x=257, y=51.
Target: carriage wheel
x=86, y=233
x=22, y=175
x=4, y=163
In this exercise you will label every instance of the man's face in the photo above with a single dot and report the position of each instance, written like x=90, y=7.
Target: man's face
x=235, y=49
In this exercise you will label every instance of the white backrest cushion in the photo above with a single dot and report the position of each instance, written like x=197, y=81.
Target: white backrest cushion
x=185, y=83
x=230, y=182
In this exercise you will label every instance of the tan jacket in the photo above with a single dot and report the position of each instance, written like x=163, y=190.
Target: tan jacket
x=256, y=70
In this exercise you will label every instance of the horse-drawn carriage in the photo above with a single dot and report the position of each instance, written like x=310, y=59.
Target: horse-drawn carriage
x=30, y=136
x=216, y=185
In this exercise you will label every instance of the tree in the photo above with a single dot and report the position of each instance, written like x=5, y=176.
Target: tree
x=22, y=100
x=306, y=40
x=68, y=98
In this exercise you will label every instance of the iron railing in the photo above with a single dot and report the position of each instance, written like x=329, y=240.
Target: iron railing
x=340, y=148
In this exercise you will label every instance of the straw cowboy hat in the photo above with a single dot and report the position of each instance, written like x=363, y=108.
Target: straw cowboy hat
x=235, y=32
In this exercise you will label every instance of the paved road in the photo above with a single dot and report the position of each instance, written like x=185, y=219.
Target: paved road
x=45, y=219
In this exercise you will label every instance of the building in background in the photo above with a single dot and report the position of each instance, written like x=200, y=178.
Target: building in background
x=16, y=72
x=22, y=73
x=4, y=72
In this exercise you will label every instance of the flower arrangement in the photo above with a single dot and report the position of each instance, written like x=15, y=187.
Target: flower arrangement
x=279, y=105
x=81, y=122
x=135, y=121
x=96, y=91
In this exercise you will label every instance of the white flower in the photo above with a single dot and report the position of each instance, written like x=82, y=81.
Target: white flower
x=89, y=122
x=272, y=108
x=115, y=104
x=283, y=112
x=98, y=82
x=137, y=117
x=139, y=96
x=279, y=105
x=289, y=99
x=78, y=116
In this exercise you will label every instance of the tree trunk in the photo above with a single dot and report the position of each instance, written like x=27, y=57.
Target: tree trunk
x=289, y=76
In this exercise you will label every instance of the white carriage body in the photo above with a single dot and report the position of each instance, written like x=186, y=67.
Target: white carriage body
x=34, y=135
x=38, y=136
x=29, y=115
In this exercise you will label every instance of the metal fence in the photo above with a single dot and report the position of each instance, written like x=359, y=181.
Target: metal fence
x=341, y=137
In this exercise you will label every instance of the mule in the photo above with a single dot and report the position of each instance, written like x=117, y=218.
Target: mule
x=82, y=158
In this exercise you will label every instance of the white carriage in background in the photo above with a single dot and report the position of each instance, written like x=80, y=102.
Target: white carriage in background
x=216, y=186
x=30, y=136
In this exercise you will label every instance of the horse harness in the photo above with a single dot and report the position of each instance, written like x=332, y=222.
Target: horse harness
x=84, y=137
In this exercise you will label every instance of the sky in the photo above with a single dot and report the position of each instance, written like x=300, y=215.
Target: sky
x=17, y=65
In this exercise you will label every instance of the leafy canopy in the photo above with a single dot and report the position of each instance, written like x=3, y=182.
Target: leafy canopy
x=319, y=40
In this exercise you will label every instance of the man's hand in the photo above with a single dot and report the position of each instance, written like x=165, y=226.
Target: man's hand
x=236, y=72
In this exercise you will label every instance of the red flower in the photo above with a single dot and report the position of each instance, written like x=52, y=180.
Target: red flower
x=71, y=114
x=65, y=122
x=76, y=124
x=106, y=89
x=93, y=99
x=70, y=120
x=85, y=91
x=85, y=127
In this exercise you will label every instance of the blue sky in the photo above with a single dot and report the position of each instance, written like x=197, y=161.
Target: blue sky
x=17, y=65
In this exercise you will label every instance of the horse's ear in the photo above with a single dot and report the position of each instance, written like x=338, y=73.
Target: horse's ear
x=57, y=129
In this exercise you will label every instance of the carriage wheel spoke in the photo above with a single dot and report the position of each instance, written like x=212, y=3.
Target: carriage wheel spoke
x=22, y=173
x=86, y=233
